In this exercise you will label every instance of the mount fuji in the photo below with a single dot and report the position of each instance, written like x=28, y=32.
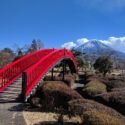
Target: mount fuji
x=96, y=48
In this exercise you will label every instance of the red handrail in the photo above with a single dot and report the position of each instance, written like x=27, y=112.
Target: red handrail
x=35, y=72
x=12, y=71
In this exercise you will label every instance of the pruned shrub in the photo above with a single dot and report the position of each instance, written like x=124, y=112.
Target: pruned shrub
x=93, y=88
x=92, y=77
x=93, y=113
x=115, y=99
x=55, y=78
x=115, y=84
x=76, y=76
x=69, y=80
x=118, y=89
x=55, y=94
x=88, y=77
x=100, y=118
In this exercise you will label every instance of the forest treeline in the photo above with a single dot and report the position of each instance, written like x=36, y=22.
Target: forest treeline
x=8, y=55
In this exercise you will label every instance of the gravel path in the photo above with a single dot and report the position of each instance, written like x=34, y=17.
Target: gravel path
x=11, y=114
x=77, y=85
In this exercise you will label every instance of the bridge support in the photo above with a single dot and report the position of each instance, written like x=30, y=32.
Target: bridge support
x=24, y=81
x=52, y=74
x=64, y=69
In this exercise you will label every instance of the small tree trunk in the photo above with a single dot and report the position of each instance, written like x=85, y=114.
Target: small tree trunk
x=104, y=74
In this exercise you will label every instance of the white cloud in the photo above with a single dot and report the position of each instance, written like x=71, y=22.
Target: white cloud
x=117, y=43
x=106, y=5
x=69, y=45
x=82, y=41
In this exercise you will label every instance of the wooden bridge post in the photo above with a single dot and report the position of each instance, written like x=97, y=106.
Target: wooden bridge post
x=63, y=62
x=64, y=69
x=52, y=78
x=24, y=81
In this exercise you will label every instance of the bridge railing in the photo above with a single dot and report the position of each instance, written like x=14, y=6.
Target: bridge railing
x=15, y=69
x=34, y=73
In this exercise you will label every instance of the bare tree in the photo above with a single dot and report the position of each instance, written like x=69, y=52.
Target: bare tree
x=35, y=46
x=6, y=56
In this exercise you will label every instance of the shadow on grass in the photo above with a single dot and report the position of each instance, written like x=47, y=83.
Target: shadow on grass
x=56, y=123
x=29, y=108
x=19, y=107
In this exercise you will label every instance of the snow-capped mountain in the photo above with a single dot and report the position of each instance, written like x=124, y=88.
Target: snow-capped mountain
x=96, y=48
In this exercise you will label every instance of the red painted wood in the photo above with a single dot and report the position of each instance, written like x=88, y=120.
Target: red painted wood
x=9, y=73
x=35, y=72
x=35, y=66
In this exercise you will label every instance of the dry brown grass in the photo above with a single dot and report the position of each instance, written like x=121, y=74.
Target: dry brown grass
x=100, y=118
x=115, y=99
x=49, y=118
x=76, y=76
x=111, y=84
x=55, y=94
x=118, y=89
x=94, y=87
x=69, y=80
x=93, y=113
x=55, y=78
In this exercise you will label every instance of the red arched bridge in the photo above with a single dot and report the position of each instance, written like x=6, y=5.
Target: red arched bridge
x=23, y=75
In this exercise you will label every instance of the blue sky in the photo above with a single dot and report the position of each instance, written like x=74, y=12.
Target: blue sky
x=56, y=22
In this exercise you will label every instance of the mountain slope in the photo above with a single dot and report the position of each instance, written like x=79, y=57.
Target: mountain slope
x=96, y=48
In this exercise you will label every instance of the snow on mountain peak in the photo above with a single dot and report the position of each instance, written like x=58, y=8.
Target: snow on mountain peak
x=94, y=44
x=94, y=47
